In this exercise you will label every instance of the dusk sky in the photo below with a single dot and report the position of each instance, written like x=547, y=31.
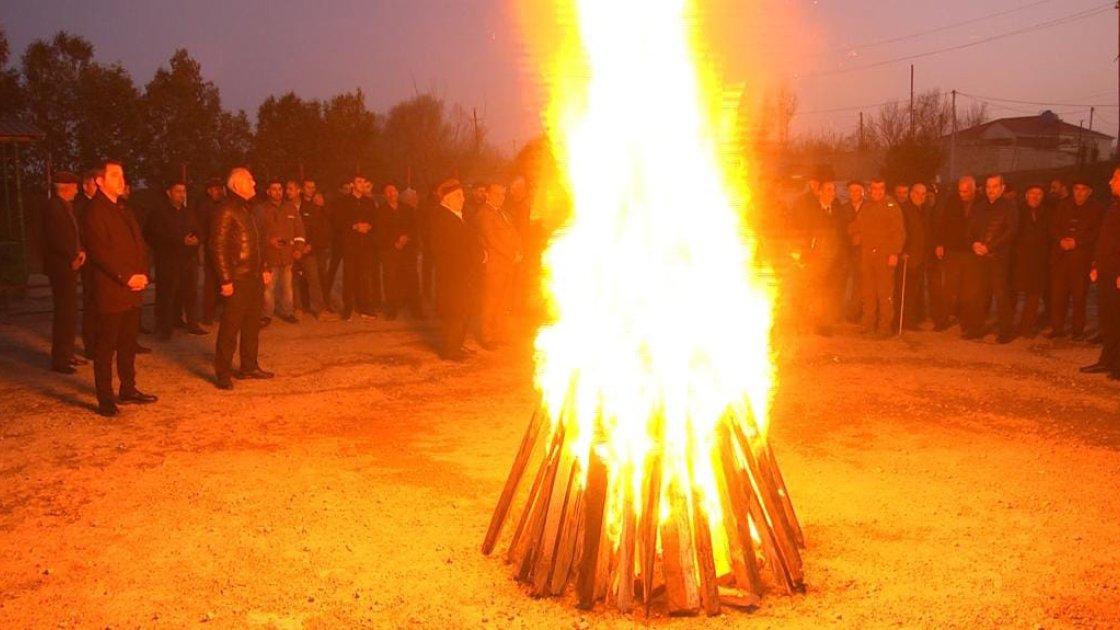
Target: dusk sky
x=471, y=52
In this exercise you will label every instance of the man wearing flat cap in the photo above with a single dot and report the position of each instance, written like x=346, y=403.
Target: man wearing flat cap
x=1074, y=229
x=63, y=256
x=458, y=260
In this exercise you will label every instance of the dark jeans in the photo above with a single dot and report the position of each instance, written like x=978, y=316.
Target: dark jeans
x=1108, y=297
x=997, y=284
x=877, y=292
x=89, y=313
x=210, y=291
x=453, y=333
x=64, y=322
x=361, y=284
x=176, y=293
x=975, y=293
x=1069, y=281
x=241, y=316
x=116, y=335
x=308, y=284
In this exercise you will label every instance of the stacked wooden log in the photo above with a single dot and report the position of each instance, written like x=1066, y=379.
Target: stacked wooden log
x=580, y=526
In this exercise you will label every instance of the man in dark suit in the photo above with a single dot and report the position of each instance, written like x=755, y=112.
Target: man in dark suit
x=119, y=272
x=204, y=215
x=916, y=253
x=1073, y=228
x=89, y=312
x=355, y=217
x=500, y=241
x=174, y=234
x=995, y=257
x=1032, y=249
x=395, y=231
x=458, y=258
x=63, y=256
x=1106, y=273
x=238, y=260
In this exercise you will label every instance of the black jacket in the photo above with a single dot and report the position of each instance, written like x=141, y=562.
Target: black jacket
x=1032, y=248
x=1003, y=223
x=235, y=241
x=392, y=224
x=350, y=210
x=167, y=229
x=1107, y=254
x=116, y=251
x=61, y=240
x=919, y=240
x=458, y=260
x=956, y=231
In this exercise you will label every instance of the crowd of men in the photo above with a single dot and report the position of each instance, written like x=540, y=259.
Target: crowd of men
x=271, y=254
x=889, y=259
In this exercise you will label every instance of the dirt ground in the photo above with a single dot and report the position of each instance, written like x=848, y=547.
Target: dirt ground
x=941, y=484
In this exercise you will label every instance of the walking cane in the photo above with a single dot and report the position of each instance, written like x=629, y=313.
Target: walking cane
x=902, y=298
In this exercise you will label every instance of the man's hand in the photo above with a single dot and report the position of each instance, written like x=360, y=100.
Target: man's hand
x=402, y=242
x=137, y=282
x=297, y=254
x=939, y=251
x=274, y=242
x=306, y=248
x=78, y=261
x=980, y=249
x=892, y=260
x=1118, y=282
x=227, y=289
x=266, y=277
x=1093, y=274
x=191, y=240
x=1067, y=244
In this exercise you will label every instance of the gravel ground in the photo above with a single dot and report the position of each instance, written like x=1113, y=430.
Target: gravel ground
x=941, y=484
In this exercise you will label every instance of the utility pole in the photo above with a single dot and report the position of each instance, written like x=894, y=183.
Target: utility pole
x=477, y=137
x=953, y=142
x=911, y=100
x=1093, y=153
x=861, y=145
x=1118, y=62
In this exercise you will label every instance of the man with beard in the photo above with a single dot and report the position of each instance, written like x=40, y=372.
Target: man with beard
x=354, y=216
x=396, y=247
x=960, y=223
x=1106, y=273
x=63, y=256
x=1032, y=248
x=458, y=256
x=120, y=272
x=1074, y=228
x=242, y=272
x=174, y=235
x=284, y=241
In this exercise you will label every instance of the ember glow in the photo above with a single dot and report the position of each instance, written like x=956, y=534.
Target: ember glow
x=655, y=368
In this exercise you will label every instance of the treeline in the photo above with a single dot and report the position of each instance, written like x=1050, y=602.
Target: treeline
x=177, y=124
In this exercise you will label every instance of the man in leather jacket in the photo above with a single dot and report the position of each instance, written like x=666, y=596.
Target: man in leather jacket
x=235, y=250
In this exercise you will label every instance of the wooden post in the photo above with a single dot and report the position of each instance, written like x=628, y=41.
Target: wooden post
x=516, y=472
x=591, y=559
x=678, y=559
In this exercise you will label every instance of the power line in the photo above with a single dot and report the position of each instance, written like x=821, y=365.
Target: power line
x=892, y=40
x=1042, y=103
x=1081, y=15
x=852, y=108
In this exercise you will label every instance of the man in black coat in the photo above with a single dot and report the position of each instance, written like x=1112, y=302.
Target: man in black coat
x=354, y=215
x=63, y=256
x=1032, y=249
x=1106, y=273
x=89, y=311
x=961, y=223
x=995, y=257
x=174, y=232
x=1073, y=228
x=235, y=253
x=119, y=264
x=915, y=254
x=458, y=261
x=395, y=231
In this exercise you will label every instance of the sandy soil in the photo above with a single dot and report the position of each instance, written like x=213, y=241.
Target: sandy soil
x=941, y=484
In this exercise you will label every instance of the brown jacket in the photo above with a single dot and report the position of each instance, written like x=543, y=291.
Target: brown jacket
x=283, y=223
x=498, y=236
x=879, y=227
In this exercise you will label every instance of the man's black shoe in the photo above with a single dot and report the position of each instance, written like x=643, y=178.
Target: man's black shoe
x=78, y=362
x=390, y=315
x=1005, y=338
x=1055, y=334
x=136, y=397
x=195, y=329
x=972, y=336
x=63, y=369
x=291, y=319
x=1097, y=338
x=143, y=349
x=1114, y=376
x=109, y=410
x=1078, y=336
x=225, y=383
x=457, y=356
x=180, y=324
x=254, y=374
x=1096, y=368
